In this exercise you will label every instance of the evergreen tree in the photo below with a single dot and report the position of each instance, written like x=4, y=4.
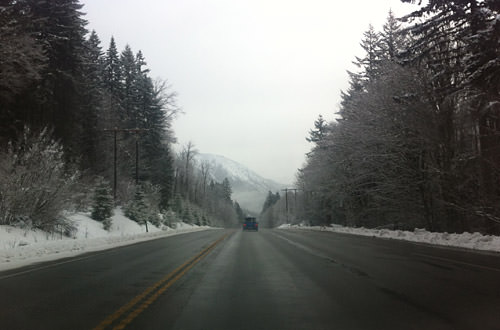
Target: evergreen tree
x=458, y=44
x=102, y=208
x=112, y=72
x=94, y=60
x=137, y=209
x=57, y=29
x=60, y=28
x=169, y=217
x=239, y=211
x=22, y=65
x=92, y=105
x=227, y=191
x=129, y=78
x=177, y=205
x=369, y=64
x=196, y=218
x=369, y=67
x=392, y=41
x=319, y=131
x=186, y=214
x=204, y=220
x=271, y=199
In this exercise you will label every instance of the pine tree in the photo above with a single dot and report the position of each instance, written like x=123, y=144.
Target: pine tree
x=177, y=205
x=102, y=208
x=57, y=29
x=169, y=217
x=239, y=211
x=369, y=64
x=369, y=69
x=186, y=214
x=23, y=61
x=112, y=72
x=271, y=199
x=137, y=209
x=129, y=78
x=60, y=28
x=94, y=62
x=318, y=134
x=457, y=42
x=204, y=220
x=196, y=218
x=392, y=41
x=92, y=105
x=227, y=191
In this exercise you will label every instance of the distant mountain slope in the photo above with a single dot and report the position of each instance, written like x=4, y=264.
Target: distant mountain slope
x=249, y=188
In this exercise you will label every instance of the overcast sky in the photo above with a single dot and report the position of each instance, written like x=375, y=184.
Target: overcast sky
x=253, y=75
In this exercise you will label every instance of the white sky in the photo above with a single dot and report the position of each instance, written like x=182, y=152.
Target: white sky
x=252, y=75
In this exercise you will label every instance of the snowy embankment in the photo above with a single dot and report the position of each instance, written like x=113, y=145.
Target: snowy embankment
x=19, y=247
x=475, y=241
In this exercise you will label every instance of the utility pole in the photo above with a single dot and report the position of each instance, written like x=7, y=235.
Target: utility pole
x=286, y=203
x=115, y=131
x=136, y=158
x=286, y=199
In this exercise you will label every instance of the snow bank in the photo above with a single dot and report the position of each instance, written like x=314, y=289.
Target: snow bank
x=474, y=241
x=20, y=247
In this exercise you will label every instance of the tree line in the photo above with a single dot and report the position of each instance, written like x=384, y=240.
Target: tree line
x=79, y=119
x=416, y=142
x=197, y=194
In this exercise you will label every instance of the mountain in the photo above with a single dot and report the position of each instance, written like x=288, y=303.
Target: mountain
x=249, y=188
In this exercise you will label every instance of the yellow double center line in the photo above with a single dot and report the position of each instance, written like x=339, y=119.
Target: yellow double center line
x=142, y=301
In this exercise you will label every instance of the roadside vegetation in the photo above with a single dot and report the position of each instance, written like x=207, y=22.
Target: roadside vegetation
x=416, y=139
x=84, y=127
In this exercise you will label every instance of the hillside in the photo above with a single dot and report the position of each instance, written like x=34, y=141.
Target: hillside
x=249, y=188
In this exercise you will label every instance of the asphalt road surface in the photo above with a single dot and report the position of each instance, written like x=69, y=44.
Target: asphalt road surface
x=271, y=279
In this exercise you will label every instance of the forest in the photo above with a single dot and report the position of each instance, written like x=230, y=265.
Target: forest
x=416, y=139
x=84, y=127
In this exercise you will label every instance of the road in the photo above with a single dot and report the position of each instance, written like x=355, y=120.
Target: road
x=271, y=279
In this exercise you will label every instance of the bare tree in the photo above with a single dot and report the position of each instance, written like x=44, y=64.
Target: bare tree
x=205, y=168
x=186, y=158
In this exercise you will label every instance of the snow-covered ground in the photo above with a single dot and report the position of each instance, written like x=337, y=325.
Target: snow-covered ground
x=474, y=241
x=20, y=247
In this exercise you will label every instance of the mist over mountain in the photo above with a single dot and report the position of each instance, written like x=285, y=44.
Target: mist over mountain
x=249, y=188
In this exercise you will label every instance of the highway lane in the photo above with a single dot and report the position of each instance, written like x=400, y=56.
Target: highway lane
x=79, y=293
x=271, y=279
x=318, y=280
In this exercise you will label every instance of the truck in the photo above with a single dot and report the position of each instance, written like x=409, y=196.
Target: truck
x=250, y=224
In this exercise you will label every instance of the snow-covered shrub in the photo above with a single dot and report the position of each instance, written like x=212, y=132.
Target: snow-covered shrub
x=204, y=220
x=143, y=206
x=152, y=197
x=186, y=215
x=169, y=217
x=125, y=191
x=196, y=218
x=83, y=193
x=136, y=209
x=102, y=206
x=35, y=186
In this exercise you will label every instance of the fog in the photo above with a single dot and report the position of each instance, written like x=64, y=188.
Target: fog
x=252, y=76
